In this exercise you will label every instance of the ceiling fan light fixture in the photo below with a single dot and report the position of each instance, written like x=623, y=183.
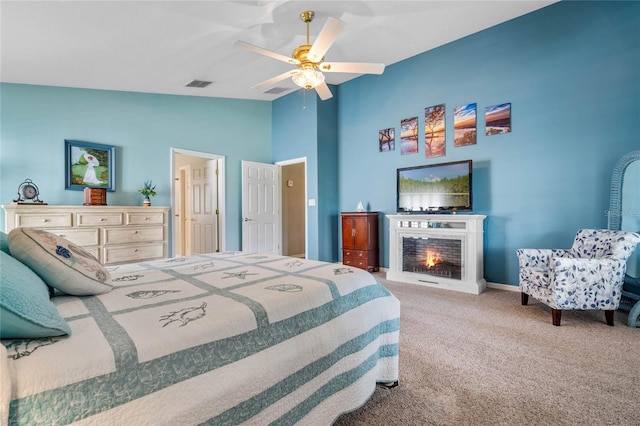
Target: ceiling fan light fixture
x=308, y=79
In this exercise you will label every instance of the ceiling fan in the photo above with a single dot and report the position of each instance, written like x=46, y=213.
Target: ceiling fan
x=309, y=59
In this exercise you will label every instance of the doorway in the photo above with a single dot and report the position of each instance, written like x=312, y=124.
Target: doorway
x=197, y=202
x=274, y=213
x=294, y=207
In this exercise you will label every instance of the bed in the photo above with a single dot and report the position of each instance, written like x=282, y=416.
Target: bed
x=221, y=339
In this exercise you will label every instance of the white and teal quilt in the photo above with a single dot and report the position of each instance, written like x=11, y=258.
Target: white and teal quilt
x=219, y=339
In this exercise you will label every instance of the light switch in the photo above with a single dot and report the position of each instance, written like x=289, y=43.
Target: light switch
x=290, y=183
x=312, y=201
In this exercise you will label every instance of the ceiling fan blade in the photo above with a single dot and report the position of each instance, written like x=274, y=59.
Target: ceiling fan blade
x=352, y=67
x=266, y=52
x=275, y=79
x=324, y=92
x=332, y=28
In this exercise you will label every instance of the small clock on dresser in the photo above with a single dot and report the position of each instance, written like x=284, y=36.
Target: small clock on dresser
x=28, y=193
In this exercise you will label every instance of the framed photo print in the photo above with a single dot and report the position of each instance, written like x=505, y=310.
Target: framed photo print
x=387, y=139
x=434, y=131
x=409, y=136
x=497, y=119
x=464, y=125
x=89, y=165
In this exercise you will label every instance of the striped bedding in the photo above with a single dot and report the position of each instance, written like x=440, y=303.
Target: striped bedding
x=220, y=339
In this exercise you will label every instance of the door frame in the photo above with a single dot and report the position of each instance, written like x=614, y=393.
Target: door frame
x=221, y=216
x=306, y=210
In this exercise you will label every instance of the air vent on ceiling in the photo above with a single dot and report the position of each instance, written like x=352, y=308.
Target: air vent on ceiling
x=276, y=90
x=199, y=83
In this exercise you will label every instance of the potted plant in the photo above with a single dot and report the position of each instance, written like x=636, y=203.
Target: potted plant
x=148, y=190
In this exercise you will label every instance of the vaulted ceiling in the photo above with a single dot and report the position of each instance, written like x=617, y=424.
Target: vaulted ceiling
x=161, y=46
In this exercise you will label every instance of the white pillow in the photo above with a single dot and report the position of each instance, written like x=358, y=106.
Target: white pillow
x=60, y=263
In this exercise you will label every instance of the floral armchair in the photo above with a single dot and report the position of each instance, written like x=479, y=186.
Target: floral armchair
x=589, y=275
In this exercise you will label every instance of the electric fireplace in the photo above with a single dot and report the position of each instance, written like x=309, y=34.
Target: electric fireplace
x=438, y=257
x=443, y=251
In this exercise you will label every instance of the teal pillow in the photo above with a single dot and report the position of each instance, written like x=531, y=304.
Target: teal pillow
x=4, y=243
x=60, y=263
x=25, y=309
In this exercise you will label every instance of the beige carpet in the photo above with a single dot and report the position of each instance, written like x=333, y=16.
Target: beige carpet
x=487, y=360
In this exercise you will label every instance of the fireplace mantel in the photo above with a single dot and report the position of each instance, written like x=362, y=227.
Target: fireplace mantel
x=466, y=235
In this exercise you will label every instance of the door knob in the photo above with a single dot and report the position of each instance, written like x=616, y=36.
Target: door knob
x=246, y=219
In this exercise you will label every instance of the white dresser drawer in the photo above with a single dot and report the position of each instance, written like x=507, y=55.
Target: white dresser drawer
x=130, y=253
x=113, y=234
x=145, y=218
x=81, y=237
x=51, y=220
x=99, y=219
x=132, y=234
x=95, y=251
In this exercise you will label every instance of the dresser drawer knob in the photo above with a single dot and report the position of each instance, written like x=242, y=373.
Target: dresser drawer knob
x=102, y=219
x=135, y=232
x=135, y=250
x=45, y=220
x=146, y=218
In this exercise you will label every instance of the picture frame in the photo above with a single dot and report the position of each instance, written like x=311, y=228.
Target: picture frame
x=464, y=125
x=387, y=139
x=497, y=119
x=89, y=165
x=434, y=131
x=409, y=136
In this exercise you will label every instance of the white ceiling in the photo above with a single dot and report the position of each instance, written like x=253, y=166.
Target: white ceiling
x=160, y=46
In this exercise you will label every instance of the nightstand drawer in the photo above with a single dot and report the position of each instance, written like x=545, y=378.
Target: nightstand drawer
x=358, y=263
x=99, y=219
x=355, y=254
x=144, y=218
x=132, y=235
x=363, y=259
x=128, y=254
x=43, y=220
x=81, y=237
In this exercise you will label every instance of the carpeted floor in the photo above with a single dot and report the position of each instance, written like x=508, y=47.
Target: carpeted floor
x=487, y=360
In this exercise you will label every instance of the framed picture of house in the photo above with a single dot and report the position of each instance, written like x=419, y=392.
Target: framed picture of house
x=89, y=165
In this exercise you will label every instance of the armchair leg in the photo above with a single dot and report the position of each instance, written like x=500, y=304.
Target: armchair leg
x=524, y=299
x=608, y=314
x=556, y=316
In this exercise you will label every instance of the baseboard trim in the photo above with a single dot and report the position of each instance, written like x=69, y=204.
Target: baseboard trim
x=505, y=287
x=495, y=286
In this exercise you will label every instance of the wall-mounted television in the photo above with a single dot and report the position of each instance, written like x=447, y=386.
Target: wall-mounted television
x=435, y=188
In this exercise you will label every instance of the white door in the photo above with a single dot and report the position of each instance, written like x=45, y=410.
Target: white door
x=203, y=205
x=179, y=213
x=260, y=207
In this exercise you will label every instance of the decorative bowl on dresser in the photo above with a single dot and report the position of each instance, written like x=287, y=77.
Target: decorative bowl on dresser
x=113, y=234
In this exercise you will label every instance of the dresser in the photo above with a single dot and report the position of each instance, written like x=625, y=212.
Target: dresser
x=113, y=234
x=360, y=240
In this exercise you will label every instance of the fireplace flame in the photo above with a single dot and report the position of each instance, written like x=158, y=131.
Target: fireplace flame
x=433, y=258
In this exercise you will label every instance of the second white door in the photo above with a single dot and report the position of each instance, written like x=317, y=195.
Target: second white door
x=261, y=207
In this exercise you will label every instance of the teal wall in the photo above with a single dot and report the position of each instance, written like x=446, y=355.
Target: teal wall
x=35, y=121
x=294, y=123
x=572, y=74
x=570, y=70
x=328, y=212
x=305, y=126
